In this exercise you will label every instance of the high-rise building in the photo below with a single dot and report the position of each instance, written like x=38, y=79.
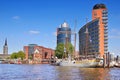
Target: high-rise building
x=63, y=33
x=96, y=40
x=5, y=48
x=100, y=11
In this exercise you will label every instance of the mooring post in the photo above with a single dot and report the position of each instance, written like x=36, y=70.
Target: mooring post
x=104, y=61
x=108, y=59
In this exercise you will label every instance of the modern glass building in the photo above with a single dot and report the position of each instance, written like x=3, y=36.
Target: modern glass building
x=97, y=40
x=63, y=33
x=92, y=41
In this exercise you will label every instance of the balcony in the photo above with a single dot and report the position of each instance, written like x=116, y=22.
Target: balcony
x=106, y=42
x=105, y=32
x=105, y=12
x=106, y=25
x=105, y=38
x=105, y=18
x=106, y=46
x=104, y=22
x=106, y=28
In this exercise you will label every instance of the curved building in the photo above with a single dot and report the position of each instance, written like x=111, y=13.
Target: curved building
x=97, y=40
x=89, y=38
x=63, y=33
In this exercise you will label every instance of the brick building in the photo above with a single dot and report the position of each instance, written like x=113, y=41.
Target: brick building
x=38, y=54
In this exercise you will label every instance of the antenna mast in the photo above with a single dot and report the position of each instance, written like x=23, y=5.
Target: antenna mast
x=86, y=45
x=75, y=38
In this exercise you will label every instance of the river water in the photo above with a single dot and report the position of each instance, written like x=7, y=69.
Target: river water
x=49, y=72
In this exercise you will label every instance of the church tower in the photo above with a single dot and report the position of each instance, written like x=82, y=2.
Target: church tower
x=5, y=48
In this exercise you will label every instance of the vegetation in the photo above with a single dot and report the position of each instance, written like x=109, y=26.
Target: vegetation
x=30, y=57
x=59, y=50
x=17, y=55
x=62, y=52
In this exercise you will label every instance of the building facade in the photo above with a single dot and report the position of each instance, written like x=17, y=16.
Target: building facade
x=96, y=41
x=64, y=33
x=89, y=46
x=38, y=53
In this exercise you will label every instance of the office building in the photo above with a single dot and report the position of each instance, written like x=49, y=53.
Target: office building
x=95, y=41
x=64, y=33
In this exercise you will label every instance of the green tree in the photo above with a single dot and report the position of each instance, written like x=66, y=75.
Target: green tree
x=19, y=54
x=59, y=52
x=14, y=55
x=70, y=48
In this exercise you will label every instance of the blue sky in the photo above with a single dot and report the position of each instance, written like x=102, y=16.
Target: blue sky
x=24, y=22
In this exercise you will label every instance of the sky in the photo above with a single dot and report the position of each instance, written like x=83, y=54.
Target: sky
x=25, y=22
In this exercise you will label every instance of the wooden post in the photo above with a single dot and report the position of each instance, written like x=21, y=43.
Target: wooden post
x=104, y=61
x=108, y=59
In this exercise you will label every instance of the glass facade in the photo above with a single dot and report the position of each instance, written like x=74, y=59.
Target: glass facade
x=63, y=34
x=93, y=38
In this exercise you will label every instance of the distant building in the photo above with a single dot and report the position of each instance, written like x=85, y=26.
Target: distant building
x=5, y=51
x=63, y=33
x=38, y=53
x=5, y=48
x=96, y=39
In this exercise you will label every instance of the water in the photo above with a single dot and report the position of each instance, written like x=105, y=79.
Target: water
x=48, y=72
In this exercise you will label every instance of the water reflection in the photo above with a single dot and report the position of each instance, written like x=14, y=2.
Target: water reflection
x=48, y=72
x=76, y=73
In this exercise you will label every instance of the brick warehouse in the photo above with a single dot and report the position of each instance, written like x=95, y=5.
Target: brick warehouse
x=38, y=54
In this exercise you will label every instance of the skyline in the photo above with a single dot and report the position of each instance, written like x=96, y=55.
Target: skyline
x=25, y=22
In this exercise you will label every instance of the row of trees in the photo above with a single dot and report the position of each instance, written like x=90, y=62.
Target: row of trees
x=17, y=55
x=63, y=50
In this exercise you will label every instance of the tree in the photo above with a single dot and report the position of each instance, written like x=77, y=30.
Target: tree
x=59, y=52
x=19, y=54
x=13, y=55
x=70, y=48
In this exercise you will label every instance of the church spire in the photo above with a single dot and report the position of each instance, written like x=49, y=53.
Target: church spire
x=5, y=47
x=6, y=42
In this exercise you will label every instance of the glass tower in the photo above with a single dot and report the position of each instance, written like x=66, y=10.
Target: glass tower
x=63, y=33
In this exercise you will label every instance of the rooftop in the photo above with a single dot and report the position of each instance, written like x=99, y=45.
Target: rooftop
x=99, y=6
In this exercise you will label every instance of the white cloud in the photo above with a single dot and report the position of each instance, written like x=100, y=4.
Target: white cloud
x=16, y=17
x=55, y=33
x=114, y=37
x=115, y=34
x=34, y=32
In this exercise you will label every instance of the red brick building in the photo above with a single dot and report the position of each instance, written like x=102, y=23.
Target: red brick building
x=38, y=54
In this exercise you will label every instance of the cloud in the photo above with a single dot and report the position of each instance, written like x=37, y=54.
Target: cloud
x=55, y=33
x=16, y=17
x=114, y=34
x=114, y=37
x=34, y=32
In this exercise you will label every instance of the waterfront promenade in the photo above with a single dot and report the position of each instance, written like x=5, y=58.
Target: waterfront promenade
x=49, y=72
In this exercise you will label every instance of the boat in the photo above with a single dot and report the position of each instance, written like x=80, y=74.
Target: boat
x=84, y=63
